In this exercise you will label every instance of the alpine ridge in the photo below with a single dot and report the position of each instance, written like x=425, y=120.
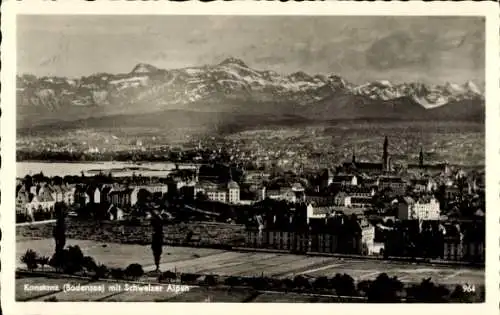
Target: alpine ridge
x=232, y=86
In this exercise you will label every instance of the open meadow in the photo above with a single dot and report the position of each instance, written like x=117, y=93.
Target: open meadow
x=277, y=265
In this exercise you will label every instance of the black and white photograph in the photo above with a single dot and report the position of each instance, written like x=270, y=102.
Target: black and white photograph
x=250, y=158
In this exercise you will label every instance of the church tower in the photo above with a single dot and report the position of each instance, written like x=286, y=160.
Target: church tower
x=421, y=158
x=385, y=155
x=353, y=157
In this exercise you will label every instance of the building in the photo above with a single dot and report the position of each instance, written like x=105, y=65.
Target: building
x=120, y=196
x=233, y=192
x=421, y=167
x=285, y=194
x=395, y=184
x=229, y=193
x=152, y=189
x=422, y=209
x=345, y=180
x=370, y=167
x=315, y=212
x=423, y=185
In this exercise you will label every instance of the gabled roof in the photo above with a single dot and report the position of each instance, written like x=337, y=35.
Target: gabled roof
x=391, y=180
x=343, y=177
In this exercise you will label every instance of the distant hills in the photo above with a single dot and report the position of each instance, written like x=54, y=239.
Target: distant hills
x=232, y=92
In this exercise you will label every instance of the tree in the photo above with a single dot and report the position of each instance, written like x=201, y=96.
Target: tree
x=343, y=285
x=210, y=280
x=385, y=289
x=88, y=263
x=157, y=239
x=117, y=273
x=428, y=292
x=59, y=231
x=300, y=282
x=321, y=283
x=30, y=258
x=364, y=286
x=134, y=271
x=72, y=259
x=44, y=260
x=100, y=272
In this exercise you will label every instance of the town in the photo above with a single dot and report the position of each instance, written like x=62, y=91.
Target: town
x=420, y=210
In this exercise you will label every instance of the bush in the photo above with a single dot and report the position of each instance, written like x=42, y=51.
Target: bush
x=117, y=273
x=134, y=271
x=343, y=285
x=233, y=281
x=189, y=277
x=100, y=272
x=301, y=282
x=73, y=259
x=428, y=292
x=88, y=263
x=167, y=276
x=385, y=289
x=321, y=283
x=44, y=260
x=210, y=280
x=30, y=258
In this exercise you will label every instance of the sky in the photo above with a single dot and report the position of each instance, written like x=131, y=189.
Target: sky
x=432, y=50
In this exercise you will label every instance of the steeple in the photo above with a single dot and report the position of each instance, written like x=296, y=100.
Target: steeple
x=385, y=155
x=421, y=158
x=353, y=157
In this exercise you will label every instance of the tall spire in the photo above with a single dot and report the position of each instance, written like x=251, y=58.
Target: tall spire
x=385, y=154
x=421, y=158
x=353, y=156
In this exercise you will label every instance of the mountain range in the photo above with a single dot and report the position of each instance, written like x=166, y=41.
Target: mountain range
x=232, y=88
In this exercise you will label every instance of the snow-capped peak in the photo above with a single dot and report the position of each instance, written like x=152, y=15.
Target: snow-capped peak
x=233, y=60
x=384, y=83
x=472, y=87
x=453, y=88
x=144, y=68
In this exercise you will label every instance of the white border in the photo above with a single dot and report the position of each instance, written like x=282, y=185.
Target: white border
x=7, y=127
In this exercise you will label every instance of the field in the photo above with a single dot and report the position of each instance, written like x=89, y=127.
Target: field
x=221, y=262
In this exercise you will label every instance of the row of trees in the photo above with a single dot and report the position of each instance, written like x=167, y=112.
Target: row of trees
x=75, y=262
x=383, y=289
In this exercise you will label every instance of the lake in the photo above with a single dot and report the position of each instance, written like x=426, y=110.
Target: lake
x=117, y=169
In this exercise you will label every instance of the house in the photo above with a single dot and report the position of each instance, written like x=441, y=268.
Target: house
x=359, y=191
x=345, y=180
x=423, y=185
x=326, y=179
x=162, y=189
x=43, y=202
x=320, y=200
x=69, y=195
x=395, y=184
x=81, y=198
x=360, y=202
x=260, y=192
x=314, y=212
x=120, y=197
x=57, y=192
x=23, y=197
x=115, y=213
x=256, y=177
x=285, y=194
x=229, y=193
x=344, y=199
x=421, y=209
x=233, y=192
